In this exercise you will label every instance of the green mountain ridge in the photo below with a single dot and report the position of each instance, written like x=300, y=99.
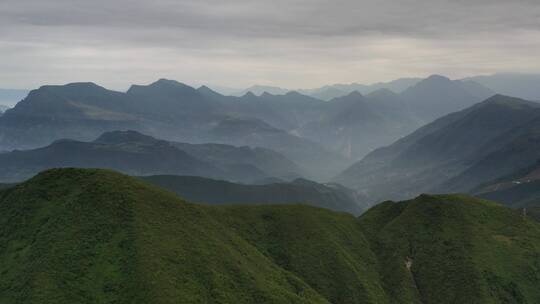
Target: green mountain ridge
x=87, y=236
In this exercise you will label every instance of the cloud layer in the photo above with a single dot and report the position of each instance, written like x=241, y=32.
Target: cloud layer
x=292, y=43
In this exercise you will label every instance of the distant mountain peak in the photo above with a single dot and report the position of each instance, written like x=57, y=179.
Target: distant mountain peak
x=249, y=94
x=382, y=93
x=116, y=137
x=208, y=91
x=355, y=94
x=510, y=101
x=168, y=82
x=74, y=86
x=163, y=85
x=293, y=93
x=436, y=77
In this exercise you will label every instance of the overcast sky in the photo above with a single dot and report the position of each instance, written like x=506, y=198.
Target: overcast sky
x=237, y=43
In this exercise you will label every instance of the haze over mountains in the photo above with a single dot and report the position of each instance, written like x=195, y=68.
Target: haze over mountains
x=290, y=124
x=321, y=138
x=518, y=85
x=455, y=153
x=137, y=154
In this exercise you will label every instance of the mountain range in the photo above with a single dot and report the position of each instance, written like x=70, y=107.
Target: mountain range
x=137, y=154
x=455, y=153
x=518, y=85
x=217, y=192
x=323, y=137
x=73, y=235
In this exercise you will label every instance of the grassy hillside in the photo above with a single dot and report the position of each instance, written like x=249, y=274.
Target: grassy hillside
x=95, y=236
x=461, y=250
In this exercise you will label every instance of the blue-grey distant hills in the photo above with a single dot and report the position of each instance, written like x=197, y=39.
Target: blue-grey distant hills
x=455, y=153
x=329, y=92
x=133, y=153
x=322, y=136
x=524, y=86
x=218, y=192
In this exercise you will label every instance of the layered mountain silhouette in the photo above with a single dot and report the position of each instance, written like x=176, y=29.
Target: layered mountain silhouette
x=323, y=137
x=455, y=153
x=437, y=96
x=215, y=192
x=137, y=154
x=518, y=85
x=330, y=92
x=99, y=236
x=355, y=124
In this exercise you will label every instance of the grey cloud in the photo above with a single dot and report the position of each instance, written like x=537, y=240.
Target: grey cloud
x=239, y=42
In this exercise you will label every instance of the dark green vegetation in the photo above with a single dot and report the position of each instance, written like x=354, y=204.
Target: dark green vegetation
x=94, y=236
x=133, y=153
x=216, y=192
x=455, y=153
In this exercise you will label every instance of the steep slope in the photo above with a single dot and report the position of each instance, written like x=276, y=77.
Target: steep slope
x=74, y=235
x=216, y=192
x=429, y=158
x=510, y=152
x=437, y=96
x=77, y=110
